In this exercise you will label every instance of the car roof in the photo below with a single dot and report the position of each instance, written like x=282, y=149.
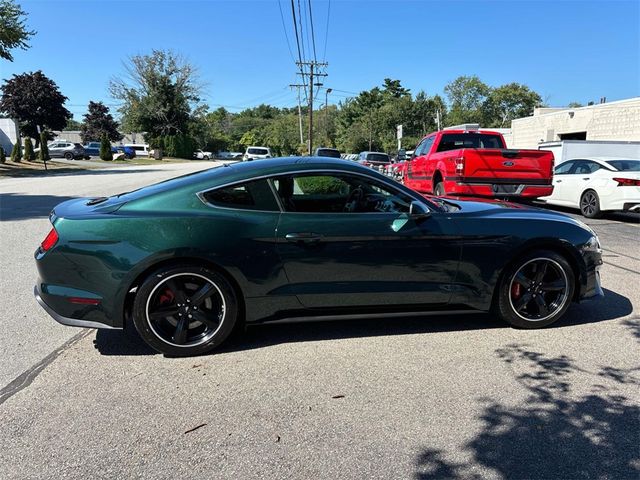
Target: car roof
x=381, y=153
x=601, y=159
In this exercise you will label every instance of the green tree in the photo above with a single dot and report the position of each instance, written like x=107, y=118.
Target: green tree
x=35, y=101
x=72, y=125
x=510, y=101
x=43, y=154
x=467, y=100
x=575, y=105
x=159, y=93
x=16, y=152
x=13, y=31
x=393, y=89
x=3, y=155
x=99, y=122
x=29, y=154
x=105, y=148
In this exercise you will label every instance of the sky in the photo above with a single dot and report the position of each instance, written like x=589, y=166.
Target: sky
x=568, y=51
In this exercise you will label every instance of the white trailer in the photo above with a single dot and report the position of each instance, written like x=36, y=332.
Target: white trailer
x=564, y=150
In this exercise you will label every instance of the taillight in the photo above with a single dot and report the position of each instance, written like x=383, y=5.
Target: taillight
x=627, y=182
x=50, y=240
x=459, y=165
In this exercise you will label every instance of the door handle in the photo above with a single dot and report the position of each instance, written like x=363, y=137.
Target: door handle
x=586, y=178
x=303, y=237
x=558, y=181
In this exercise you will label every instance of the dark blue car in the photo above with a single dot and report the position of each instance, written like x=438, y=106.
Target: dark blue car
x=129, y=152
x=92, y=149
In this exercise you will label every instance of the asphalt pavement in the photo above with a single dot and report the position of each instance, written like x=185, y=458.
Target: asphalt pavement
x=427, y=398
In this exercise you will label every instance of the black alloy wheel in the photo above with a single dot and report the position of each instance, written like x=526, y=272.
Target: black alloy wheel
x=590, y=204
x=185, y=310
x=68, y=156
x=536, y=291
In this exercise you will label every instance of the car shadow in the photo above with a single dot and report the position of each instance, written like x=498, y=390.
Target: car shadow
x=127, y=342
x=625, y=217
x=15, y=206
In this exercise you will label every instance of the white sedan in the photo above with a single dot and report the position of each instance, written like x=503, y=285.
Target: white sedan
x=597, y=184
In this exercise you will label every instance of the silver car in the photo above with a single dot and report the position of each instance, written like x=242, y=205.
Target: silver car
x=65, y=149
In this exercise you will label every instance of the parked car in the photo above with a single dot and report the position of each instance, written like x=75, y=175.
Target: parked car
x=376, y=160
x=202, y=155
x=596, y=185
x=255, y=153
x=92, y=149
x=470, y=161
x=141, y=149
x=129, y=152
x=65, y=149
x=327, y=152
x=189, y=260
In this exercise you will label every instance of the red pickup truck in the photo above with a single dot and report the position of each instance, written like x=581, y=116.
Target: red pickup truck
x=476, y=162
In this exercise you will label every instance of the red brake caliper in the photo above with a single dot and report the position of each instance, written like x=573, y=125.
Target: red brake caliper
x=166, y=297
x=516, y=290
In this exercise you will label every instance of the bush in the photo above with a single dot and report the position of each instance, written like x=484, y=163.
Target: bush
x=323, y=185
x=28, y=155
x=179, y=146
x=43, y=154
x=16, y=153
x=105, y=149
x=3, y=155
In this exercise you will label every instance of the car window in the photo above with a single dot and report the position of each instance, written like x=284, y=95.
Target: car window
x=378, y=157
x=454, y=141
x=258, y=151
x=338, y=193
x=254, y=195
x=625, y=165
x=586, y=166
x=563, y=168
x=426, y=146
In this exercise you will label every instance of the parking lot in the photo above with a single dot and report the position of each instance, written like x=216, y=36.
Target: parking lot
x=444, y=397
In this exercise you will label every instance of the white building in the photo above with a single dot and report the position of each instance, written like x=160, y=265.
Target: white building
x=618, y=120
x=9, y=134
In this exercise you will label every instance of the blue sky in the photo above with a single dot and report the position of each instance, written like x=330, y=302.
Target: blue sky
x=565, y=50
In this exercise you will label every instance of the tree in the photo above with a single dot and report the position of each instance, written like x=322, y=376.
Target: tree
x=575, y=105
x=72, y=125
x=393, y=88
x=16, y=152
x=467, y=100
x=34, y=100
x=3, y=155
x=29, y=154
x=43, y=154
x=13, y=31
x=99, y=122
x=510, y=101
x=105, y=148
x=159, y=93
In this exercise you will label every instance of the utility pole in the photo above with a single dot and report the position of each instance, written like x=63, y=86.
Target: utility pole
x=312, y=66
x=299, y=86
x=326, y=111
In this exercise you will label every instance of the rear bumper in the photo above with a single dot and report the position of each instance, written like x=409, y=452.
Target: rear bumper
x=631, y=206
x=498, y=190
x=72, y=322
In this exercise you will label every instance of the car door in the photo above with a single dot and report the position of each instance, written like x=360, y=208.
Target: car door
x=348, y=240
x=562, y=182
x=418, y=168
x=55, y=150
x=585, y=178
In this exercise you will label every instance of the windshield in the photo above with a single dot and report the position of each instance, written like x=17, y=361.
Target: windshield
x=378, y=157
x=328, y=152
x=454, y=141
x=625, y=165
x=257, y=151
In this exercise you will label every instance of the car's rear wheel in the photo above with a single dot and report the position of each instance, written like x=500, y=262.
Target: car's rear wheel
x=536, y=290
x=185, y=310
x=206, y=157
x=590, y=204
x=68, y=156
x=438, y=190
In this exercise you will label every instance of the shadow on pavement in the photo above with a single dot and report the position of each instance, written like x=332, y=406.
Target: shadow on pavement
x=555, y=434
x=106, y=171
x=14, y=206
x=127, y=342
x=626, y=217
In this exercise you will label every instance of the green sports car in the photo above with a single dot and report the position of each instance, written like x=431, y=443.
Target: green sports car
x=189, y=260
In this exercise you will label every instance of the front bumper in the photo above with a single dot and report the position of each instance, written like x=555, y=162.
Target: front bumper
x=72, y=322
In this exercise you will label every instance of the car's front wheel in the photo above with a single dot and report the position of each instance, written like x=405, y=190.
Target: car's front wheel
x=185, y=310
x=536, y=290
x=68, y=156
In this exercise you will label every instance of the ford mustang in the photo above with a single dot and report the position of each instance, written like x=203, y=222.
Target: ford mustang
x=189, y=260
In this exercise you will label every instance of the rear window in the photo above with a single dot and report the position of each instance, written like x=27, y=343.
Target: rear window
x=378, y=157
x=258, y=151
x=255, y=195
x=77, y=145
x=454, y=141
x=625, y=165
x=328, y=152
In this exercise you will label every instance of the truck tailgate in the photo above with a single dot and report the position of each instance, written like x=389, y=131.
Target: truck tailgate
x=507, y=166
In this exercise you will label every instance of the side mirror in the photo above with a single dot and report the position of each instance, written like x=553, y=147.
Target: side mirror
x=418, y=210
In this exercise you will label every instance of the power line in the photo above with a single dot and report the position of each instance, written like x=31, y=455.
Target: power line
x=285, y=31
x=304, y=53
x=313, y=35
x=295, y=27
x=326, y=33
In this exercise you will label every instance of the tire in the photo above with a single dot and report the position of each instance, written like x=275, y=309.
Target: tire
x=68, y=156
x=206, y=157
x=536, y=290
x=438, y=190
x=590, y=204
x=172, y=293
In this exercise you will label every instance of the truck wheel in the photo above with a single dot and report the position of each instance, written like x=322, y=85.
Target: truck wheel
x=438, y=191
x=590, y=204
